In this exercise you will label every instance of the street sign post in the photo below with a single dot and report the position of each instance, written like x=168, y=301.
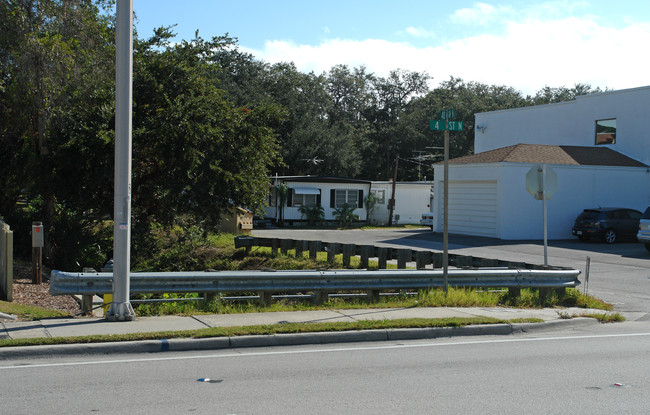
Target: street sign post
x=541, y=183
x=445, y=124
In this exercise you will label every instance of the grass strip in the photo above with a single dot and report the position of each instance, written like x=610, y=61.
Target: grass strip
x=30, y=312
x=286, y=328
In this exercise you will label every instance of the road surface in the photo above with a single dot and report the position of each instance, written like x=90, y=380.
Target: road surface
x=601, y=371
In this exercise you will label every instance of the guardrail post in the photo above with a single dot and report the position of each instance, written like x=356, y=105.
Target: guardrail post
x=321, y=297
x=348, y=251
x=366, y=252
x=285, y=245
x=437, y=260
x=265, y=298
x=487, y=262
x=314, y=249
x=275, y=246
x=86, y=303
x=514, y=291
x=544, y=293
x=333, y=249
x=464, y=261
x=301, y=246
x=423, y=258
x=373, y=296
x=382, y=257
x=403, y=256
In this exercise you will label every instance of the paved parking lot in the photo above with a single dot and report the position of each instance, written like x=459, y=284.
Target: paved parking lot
x=619, y=273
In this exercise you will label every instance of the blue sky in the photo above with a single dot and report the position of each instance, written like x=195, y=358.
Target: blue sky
x=518, y=43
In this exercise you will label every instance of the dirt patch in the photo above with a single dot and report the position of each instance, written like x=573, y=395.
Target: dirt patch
x=24, y=292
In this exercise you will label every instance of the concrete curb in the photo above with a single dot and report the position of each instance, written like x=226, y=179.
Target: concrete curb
x=293, y=339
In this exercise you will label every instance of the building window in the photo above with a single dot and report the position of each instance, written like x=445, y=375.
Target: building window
x=346, y=196
x=306, y=200
x=606, y=131
x=380, y=196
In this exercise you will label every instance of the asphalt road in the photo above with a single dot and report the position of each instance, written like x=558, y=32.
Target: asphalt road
x=618, y=273
x=600, y=371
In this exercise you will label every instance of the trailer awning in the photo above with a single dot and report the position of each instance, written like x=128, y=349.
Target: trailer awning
x=306, y=191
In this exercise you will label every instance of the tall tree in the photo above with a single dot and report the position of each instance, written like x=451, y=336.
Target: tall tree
x=55, y=56
x=194, y=152
x=388, y=135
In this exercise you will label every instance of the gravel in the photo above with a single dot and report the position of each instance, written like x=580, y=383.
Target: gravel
x=24, y=292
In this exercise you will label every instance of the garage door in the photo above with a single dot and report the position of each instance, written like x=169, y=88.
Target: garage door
x=473, y=208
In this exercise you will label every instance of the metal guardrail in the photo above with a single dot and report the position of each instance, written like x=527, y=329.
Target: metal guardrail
x=267, y=282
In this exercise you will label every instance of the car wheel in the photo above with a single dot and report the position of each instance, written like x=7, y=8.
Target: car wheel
x=610, y=236
x=647, y=246
x=584, y=238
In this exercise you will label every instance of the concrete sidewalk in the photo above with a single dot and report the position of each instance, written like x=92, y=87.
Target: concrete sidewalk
x=71, y=327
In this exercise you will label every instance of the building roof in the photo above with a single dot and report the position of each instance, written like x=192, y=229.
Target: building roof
x=319, y=179
x=551, y=154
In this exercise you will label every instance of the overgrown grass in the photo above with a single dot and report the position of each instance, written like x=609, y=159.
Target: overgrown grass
x=455, y=297
x=267, y=330
x=30, y=312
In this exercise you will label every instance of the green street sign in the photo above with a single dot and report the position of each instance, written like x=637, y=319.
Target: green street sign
x=455, y=126
x=447, y=114
x=438, y=125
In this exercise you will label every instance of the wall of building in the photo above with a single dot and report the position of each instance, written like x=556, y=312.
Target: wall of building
x=520, y=216
x=412, y=199
x=572, y=123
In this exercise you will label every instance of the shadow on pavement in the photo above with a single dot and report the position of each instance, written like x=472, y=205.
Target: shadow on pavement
x=426, y=239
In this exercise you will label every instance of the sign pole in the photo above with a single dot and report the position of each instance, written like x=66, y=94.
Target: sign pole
x=120, y=309
x=445, y=233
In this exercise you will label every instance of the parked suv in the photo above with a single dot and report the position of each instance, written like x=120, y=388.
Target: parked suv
x=644, y=229
x=608, y=224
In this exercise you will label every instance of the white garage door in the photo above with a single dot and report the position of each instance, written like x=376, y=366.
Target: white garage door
x=473, y=208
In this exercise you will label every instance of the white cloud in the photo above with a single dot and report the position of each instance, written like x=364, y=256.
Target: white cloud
x=419, y=32
x=527, y=54
x=481, y=14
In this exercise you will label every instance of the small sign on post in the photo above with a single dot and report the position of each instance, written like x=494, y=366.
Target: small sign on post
x=541, y=183
x=38, y=242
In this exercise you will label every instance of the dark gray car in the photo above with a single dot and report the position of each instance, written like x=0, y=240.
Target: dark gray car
x=608, y=224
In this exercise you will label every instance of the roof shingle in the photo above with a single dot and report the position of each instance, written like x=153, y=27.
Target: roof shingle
x=551, y=154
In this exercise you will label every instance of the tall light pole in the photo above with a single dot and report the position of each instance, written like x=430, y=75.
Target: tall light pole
x=120, y=309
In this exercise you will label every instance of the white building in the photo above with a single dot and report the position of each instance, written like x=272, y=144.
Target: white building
x=598, y=145
x=411, y=198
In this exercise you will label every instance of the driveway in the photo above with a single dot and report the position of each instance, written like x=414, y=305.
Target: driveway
x=619, y=273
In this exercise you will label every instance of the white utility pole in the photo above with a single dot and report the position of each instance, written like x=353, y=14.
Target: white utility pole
x=120, y=309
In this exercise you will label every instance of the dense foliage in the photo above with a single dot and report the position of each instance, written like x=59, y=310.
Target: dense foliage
x=210, y=125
